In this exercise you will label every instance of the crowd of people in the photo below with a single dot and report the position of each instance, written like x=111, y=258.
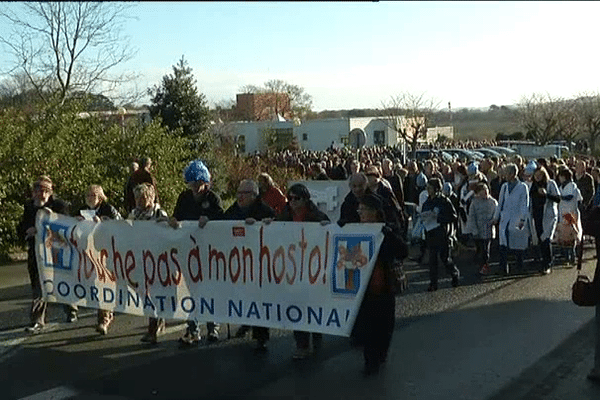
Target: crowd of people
x=526, y=207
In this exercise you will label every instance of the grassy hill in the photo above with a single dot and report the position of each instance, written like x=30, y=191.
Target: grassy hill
x=469, y=124
x=475, y=125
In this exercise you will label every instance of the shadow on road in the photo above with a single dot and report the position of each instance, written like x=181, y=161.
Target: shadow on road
x=469, y=353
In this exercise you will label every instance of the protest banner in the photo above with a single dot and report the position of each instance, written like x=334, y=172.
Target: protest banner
x=286, y=275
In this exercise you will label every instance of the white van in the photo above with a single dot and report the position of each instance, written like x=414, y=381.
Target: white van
x=530, y=150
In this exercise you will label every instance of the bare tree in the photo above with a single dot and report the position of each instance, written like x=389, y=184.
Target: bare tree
x=567, y=127
x=410, y=115
x=540, y=115
x=588, y=114
x=63, y=47
x=222, y=126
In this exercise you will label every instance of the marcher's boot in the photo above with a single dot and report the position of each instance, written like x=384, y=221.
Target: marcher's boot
x=105, y=318
x=212, y=332
x=151, y=336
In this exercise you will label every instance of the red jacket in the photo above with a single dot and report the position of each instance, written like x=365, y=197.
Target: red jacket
x=274, y=199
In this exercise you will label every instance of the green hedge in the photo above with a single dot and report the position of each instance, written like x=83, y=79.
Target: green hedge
x=76, y=152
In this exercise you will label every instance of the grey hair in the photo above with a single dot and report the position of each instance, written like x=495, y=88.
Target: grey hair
x=143, y=188
x=511, y=169
x=253, y=185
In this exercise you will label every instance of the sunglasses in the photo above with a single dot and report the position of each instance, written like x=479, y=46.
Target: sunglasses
x=294, y=197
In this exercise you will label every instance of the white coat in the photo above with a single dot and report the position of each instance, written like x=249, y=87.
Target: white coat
x=480, y=217
x=570, y=206
x=513, y=207
x=550, y=216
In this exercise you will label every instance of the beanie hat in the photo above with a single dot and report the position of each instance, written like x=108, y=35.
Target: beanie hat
x=196, y=171
x=447, y=189
x=530, y=168
x=473, y=168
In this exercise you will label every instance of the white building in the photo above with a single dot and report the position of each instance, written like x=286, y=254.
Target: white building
x=319, y=134
x=314, y=135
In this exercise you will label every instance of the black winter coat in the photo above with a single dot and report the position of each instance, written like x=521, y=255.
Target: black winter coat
x=188, y=208
x=257, y=210
x=28, y=219
x=106, y=210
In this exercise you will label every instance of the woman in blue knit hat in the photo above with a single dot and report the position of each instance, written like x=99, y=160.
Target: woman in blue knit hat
x=198, y=203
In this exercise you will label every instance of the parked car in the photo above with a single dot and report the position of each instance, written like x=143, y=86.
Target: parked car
x=489, y=152
x=423, y=154
x=426, y=154
x=503, y=150
x=463, y=154
x=477, y=153
x=446, y=157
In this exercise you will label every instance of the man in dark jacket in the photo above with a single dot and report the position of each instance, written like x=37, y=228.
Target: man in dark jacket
x=349, y=210
x=42, y=197
x=584, y=182
x=391, y=207
x=438, y=214
x=411, y=191
x=394, y=180
x=250, y=208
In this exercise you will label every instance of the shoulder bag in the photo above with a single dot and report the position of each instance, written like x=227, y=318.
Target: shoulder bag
x=584, y=292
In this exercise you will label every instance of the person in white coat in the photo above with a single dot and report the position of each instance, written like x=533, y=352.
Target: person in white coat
x=545, y=196
x=419, y=228
x=512, y=215
x=481, y=214
x=569, y=231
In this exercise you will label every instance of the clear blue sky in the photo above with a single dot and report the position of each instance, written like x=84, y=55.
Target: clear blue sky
x=356, y=55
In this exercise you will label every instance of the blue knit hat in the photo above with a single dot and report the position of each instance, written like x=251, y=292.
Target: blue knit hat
x=473, y=168
x=196, y=171
x=530, y=168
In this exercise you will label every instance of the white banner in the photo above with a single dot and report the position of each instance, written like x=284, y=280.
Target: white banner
x=287, y=275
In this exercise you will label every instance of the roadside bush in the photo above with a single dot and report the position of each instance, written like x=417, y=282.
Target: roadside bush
x=248, y=167
x=76, y=152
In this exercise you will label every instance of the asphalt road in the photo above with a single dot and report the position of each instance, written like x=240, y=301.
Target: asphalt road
x=492, y=338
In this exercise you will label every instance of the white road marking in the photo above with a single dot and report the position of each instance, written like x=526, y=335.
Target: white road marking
x=57, y=393
x=11, y=339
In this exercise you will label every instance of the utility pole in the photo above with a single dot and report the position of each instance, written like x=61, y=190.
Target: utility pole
x=450, y=112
